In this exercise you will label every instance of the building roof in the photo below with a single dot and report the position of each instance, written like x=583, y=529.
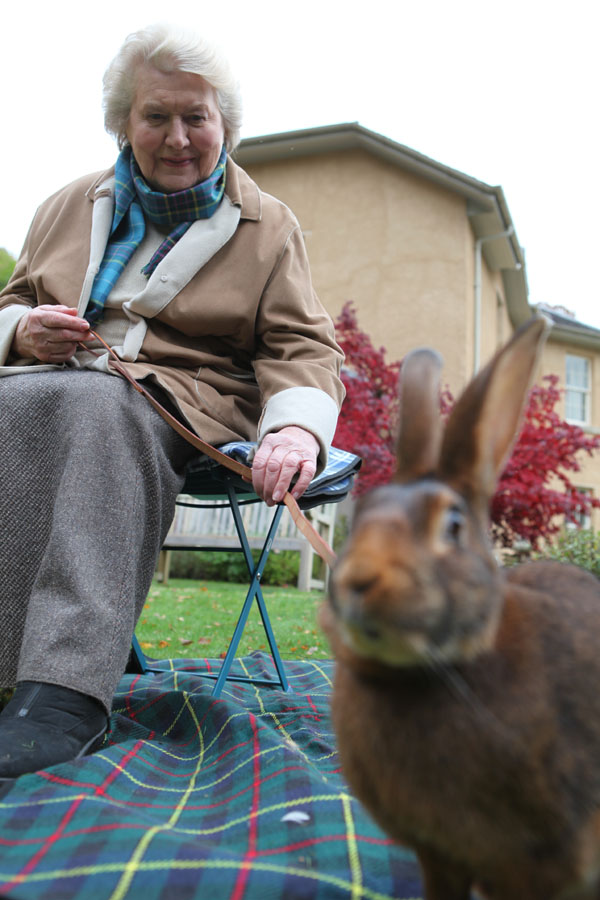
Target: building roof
x=567, y=330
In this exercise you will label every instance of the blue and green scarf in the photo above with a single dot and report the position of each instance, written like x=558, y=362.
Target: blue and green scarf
x=134, y=202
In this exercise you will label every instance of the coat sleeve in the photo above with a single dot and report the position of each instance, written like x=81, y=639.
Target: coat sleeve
x=16, y=299
x=297, y=362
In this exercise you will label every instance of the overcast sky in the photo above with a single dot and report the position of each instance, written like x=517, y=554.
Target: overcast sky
x=504, y=92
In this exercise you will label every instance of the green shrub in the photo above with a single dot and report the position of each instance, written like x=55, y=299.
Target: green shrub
x=575, y=545
x=281, y=569
x=340, y=532
x=5, y=695
x=7, y=264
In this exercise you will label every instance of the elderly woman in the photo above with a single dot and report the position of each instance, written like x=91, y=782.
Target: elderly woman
x=200, y=283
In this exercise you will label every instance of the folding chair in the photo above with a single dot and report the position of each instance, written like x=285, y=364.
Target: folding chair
x=207, y=482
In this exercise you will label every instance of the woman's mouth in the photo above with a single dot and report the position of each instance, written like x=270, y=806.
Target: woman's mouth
x=176, y=163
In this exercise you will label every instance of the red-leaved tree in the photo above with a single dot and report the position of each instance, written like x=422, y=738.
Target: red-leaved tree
x=534, y=493
x=369, y=414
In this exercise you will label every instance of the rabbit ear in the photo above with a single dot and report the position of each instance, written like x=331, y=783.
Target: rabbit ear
x=484, y=423
x=420, y=424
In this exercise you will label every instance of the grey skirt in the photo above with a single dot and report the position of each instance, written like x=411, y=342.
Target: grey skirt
x=89, y=474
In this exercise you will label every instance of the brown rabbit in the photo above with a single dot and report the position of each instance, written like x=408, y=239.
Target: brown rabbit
x=467, y=697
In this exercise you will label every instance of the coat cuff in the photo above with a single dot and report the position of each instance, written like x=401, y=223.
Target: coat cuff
x=306, y=407
x=10, y=317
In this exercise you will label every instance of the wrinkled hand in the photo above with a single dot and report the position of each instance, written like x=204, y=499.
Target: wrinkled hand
x=50, y=333
x=280, y=456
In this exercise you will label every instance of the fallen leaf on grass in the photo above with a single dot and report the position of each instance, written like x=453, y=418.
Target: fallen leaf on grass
x=204, y=640
x=185, y=641
x=146, y=645
x=162, y=644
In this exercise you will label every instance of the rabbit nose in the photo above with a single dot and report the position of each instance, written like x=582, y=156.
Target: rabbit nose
x=350, y=586
x=348, y=598
x=359, y=583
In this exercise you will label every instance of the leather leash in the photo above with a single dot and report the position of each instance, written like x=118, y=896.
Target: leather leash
x=318, y=544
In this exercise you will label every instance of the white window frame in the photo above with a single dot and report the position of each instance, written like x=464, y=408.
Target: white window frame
x=582, y=391
x=583, y=521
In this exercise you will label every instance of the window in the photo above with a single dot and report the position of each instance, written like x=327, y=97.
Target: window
x=582, y=520
x=577, y=397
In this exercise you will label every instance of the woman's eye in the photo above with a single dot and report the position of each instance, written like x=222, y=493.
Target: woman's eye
x=196, y=119
x=155, y=117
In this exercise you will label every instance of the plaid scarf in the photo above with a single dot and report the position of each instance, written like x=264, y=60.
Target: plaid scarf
x=134, y=201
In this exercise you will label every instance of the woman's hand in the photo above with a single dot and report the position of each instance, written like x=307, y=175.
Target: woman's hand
x=280, y=456
x=50, y=333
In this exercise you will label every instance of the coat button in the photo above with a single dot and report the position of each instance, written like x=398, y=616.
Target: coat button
x=164, y=277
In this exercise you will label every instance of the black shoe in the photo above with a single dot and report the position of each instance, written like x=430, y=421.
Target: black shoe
x=44, y=724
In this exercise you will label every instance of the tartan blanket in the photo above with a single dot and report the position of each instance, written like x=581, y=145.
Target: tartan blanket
x=239, y=798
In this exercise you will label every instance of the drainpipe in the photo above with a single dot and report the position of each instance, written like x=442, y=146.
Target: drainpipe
x=477, y=323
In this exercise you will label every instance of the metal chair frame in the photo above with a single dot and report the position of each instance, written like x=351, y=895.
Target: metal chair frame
x=140, y=664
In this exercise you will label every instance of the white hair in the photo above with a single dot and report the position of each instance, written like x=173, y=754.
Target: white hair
x=169, y=49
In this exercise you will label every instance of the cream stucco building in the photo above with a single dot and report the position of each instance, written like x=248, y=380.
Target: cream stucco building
x=427, y=254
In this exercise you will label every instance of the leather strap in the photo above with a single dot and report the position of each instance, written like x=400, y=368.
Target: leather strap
x=311, y=534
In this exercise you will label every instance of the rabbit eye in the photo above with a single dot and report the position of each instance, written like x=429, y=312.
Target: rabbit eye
x=454, y=525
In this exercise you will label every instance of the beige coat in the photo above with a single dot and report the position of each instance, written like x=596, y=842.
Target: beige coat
x=228, y=324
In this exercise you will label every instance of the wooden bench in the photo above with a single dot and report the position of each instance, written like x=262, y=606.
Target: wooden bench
x=206, y=528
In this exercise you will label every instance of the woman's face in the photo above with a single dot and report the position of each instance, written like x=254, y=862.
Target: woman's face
x=175, y=128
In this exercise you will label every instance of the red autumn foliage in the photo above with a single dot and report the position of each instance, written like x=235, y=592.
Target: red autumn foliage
x=369, y=416
x=369, y=413
x=534, y=492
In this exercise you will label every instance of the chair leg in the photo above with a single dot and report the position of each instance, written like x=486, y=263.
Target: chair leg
x=254, y=593
x=138, y=663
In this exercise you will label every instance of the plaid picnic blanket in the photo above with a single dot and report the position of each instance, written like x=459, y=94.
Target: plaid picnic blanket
x=239, y=798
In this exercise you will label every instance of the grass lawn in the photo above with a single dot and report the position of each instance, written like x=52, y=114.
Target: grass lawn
x=197, y=618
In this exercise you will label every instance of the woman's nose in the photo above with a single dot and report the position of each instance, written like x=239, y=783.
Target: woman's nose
x=177, y=136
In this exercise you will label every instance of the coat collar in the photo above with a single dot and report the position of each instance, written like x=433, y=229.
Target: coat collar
x=243, y=192
x=239, y=187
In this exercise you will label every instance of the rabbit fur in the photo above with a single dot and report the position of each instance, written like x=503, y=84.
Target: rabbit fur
x=467, y=697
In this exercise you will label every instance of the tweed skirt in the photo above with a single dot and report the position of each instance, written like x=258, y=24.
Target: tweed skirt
x=89, y=474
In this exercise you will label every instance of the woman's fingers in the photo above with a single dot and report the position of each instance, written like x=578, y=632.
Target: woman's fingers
x=50, y=333
x=282, y=455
